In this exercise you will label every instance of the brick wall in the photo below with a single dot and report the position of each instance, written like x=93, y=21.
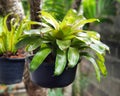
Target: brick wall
x=109, y=86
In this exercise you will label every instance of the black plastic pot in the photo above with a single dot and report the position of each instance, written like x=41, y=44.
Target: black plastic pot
x=11, y=70
x=44, y=76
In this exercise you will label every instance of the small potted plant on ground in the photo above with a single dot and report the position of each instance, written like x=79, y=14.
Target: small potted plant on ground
x=61, y=45
x=12, y=59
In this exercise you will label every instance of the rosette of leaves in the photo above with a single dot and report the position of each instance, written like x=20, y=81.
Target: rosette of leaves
x=67, y=41
x=9, y=37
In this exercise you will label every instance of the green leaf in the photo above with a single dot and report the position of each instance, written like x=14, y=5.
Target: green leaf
x=32, y=31
x=32, y=22
x=39, y=58
x=97, y=48
x=83, y=22
x=87, y=41
x=102, y=45
x=60, y=62
x=98, y=76
x=89, y=8
x=2, y=49
x=73, y=57
x=90, y=34
x=100, y=61
x=69, y=18
x=63, y=44
x=5, y=28
x=94, y=34
x=69, y=37
x=34, y=45
x=47, y=17
x=5, y=33
x=26, y=40
x=12, y=37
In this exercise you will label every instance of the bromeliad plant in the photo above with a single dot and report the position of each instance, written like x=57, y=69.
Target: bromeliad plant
x=67, y=41
x=9, y=36
x=12, y=59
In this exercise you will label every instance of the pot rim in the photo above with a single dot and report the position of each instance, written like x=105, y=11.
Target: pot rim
x=7, y=58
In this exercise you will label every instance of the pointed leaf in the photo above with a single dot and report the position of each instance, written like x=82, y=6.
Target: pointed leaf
x=2, y=49
x=102, y=45
x=5, y=28
x=73, y=57
x=69, y=18
x=26, y=40
x=60, y=62
x=100, y=61
x=34, y=45
x=93, y=34
x=39, y=58
x=98, y=76
x=63, y=44
x=47, y=17
x=83, y=22
x=89, y=34
x=97, y=48
x=87, y=41
x=32, y=31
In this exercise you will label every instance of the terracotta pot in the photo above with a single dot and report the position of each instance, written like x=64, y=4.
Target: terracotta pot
x=11, y=70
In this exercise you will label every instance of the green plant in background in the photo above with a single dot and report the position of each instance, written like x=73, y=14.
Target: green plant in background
x=57, y=8
x=118, y=0
x=55, y=92
x=0, y=24
x=10, y=37
x=26, y=7
x=67, y=42
x=89, y=8
x=98, y=8
x=84, y=82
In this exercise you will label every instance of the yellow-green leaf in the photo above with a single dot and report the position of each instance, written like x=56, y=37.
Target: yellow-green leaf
x=100, y=61
x=46, y=16
x=98, y=76
x=63, y=44
x=73, y=56
x=83, y=22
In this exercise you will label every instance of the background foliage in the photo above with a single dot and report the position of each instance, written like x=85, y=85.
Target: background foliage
x=99, y=8
x=57, y=8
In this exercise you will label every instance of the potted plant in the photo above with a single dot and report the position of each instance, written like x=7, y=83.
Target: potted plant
x=12, y=59
x=60, y=47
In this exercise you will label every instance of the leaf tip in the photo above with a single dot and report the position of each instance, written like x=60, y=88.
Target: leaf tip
x=31, y=68
x=98, y=20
